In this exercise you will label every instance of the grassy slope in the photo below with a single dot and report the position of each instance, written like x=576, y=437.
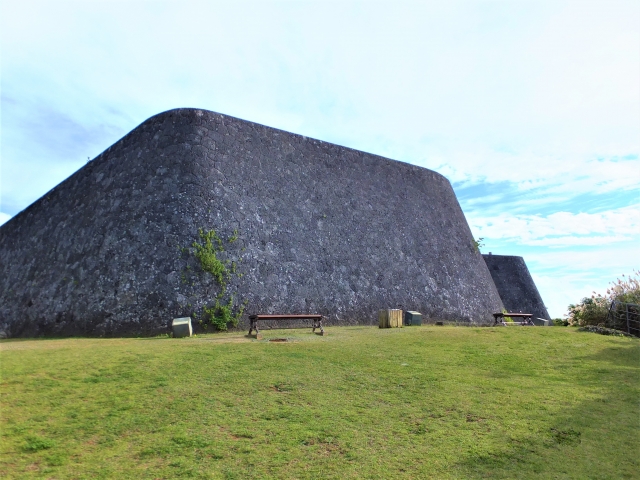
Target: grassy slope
x=420, y=402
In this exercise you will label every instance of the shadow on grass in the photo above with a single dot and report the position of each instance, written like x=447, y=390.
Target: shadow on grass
x=621, y=356
x=597, y=438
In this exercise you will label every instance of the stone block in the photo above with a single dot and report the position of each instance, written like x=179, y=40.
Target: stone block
x=412, y=318
x=182, y=327
x=541, y=322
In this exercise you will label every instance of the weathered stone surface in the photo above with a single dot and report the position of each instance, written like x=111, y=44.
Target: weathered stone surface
x=515, y=285
x=182, y=327
x=322, y=229
x=412, y=318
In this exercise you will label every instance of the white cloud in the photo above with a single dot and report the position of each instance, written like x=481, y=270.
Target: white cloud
x=560, y=290
x=560, y=228
x=565, y=276
x=615, y=259
x=578, y=241
x=554, y=174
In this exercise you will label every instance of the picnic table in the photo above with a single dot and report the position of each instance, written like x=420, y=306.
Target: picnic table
x=316, y=319
x=526, y=318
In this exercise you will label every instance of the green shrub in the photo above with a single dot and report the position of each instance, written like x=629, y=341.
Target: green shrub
x=595, y=310
x=222, y=316
x=590, y=311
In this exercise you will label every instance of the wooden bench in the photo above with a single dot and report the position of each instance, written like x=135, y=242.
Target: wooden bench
x=526, y=318
x=317, y=321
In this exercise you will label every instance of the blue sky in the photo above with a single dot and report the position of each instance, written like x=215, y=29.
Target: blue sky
x=530, y=108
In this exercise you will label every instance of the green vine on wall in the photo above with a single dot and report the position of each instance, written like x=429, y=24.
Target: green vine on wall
x=478, y=244
x=207, y=252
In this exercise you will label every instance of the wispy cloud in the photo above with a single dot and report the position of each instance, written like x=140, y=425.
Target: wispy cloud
x=561, y=228
x=569, y=174
x=579, y=241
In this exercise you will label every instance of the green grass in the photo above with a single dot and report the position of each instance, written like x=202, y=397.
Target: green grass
x=418, y=402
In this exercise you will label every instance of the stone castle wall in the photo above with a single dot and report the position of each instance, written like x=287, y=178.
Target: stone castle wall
x=322, y=229
x=515, y=285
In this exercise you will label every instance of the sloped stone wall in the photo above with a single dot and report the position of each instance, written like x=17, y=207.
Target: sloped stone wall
x=322, y=229
x=515, y=285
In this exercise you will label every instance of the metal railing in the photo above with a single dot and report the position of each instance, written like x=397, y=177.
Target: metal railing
x=625, y=317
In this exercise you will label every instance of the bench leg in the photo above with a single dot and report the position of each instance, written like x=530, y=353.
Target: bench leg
x=317, y=324
x=253, y=325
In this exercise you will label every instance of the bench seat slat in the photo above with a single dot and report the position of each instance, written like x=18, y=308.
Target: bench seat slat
x=526, y=317
x=317, y=320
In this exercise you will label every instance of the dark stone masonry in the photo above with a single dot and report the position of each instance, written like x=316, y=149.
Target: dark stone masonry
x=322, y=229
x=515, y=285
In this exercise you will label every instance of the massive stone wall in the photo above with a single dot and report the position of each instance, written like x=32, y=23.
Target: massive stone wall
x=515, y=285
x=322, y=228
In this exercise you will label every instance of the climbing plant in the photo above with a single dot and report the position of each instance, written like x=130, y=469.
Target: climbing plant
x=208, y=251
x=478, y=244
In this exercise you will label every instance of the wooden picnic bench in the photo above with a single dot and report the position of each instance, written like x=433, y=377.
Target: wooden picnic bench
x=317, y=320
x=526, y=318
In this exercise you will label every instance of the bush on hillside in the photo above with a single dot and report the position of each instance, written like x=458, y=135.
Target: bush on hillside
x=604, y=331
x=626, y=290
x=595, y=310
x=590, y=311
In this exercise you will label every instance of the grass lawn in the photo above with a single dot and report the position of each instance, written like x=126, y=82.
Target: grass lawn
x=417, y=402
